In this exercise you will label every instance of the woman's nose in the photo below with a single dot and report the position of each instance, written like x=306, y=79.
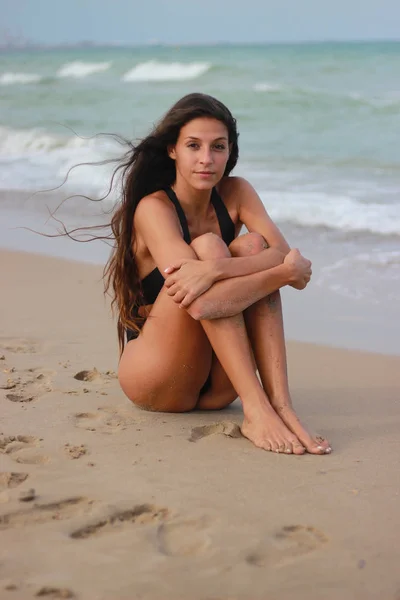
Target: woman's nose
x=206, y=156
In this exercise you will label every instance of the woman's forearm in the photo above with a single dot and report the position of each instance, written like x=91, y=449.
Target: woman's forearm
x=239, y=266
x=232, y=296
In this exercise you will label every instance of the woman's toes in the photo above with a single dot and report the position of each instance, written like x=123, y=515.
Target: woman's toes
x=322, y=442
x=274, y=446
x=297, y=447
x=317, y=449
x=266, y=446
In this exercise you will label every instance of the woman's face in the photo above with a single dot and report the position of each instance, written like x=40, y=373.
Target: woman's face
x=201, y=153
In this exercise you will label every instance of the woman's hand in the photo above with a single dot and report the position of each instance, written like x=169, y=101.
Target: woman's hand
x=299, y=269
x=189, y=279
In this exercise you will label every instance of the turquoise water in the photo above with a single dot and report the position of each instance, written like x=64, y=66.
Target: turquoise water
x=319, y=135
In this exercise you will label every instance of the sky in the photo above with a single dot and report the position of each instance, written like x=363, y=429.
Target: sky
x=198, y=21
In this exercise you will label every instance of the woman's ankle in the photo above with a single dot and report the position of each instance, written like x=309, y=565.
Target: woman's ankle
x=255, y=404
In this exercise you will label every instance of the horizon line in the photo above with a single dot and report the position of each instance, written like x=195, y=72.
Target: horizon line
x=30, y=45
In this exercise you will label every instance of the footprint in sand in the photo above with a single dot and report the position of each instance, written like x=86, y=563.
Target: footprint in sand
x=11, y=480
x=28, y=385
x=22, y=449
x=44, y=513
x=225, y=427
x=288, y=545
x=105, y=420
x=19, y=345
x=93, y=375
x=54, y=592
x=139, y=515
x=75, y=451
x=184, y=538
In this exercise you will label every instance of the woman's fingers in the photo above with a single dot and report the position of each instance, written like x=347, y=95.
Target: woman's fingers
x=170, y=281
x=179, y=296
x=175, y=266
x=173, y=289
x=187, y=301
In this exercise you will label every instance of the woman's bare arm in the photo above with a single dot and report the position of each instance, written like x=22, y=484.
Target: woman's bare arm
x=232, y=296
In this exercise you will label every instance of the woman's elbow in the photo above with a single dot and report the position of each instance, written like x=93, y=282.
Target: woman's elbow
x=197, y=310
x=202, y=309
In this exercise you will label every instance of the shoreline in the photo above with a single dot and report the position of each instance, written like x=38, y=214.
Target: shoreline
x=321, y=323
x=316, y=315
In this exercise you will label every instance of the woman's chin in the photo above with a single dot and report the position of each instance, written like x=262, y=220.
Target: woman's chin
x=204, y=184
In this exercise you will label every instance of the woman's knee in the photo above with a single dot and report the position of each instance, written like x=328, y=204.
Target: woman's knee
x=248, y=244
x=210, y=245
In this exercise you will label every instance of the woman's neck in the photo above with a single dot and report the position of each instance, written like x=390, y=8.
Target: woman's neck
x=194, y=202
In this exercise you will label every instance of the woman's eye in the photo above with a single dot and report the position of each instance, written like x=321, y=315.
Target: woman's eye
x=220, y=147
x=193, y=145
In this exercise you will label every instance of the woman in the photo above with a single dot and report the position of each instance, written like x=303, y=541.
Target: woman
x=199, y=304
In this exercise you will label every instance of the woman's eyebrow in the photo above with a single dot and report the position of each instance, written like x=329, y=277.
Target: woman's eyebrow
x=192, y=137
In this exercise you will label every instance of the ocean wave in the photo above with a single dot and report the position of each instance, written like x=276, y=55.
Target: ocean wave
x=388, y=100
x=154, y=70
x=79, y=69
x=364, y=275
x=342, y=213
x=19, y=78
x=263, y=86
x=288, y=93
x=23, y=142
x=34, y=159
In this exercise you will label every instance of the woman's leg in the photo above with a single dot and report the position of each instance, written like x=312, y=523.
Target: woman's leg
x=231, y=345
x=264, y=324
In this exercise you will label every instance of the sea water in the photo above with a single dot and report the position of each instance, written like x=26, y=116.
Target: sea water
x=319, y=139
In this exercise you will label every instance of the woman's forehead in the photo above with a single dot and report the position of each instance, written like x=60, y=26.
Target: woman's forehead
x=204, y=127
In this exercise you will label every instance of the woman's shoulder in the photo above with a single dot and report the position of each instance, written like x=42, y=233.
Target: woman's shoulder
x=155, y=202
x=232, y=188
x=156, y=208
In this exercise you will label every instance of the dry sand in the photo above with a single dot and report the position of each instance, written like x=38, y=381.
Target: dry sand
x=99, y=500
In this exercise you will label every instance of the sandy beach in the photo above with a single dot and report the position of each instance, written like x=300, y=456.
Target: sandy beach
x=101, y=501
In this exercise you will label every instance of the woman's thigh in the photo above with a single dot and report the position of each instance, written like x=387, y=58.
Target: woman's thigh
x=165, y=368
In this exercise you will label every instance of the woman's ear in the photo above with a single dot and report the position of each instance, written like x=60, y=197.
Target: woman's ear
x=171, y=152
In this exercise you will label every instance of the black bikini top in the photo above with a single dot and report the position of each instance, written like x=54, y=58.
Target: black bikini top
x=154, y=281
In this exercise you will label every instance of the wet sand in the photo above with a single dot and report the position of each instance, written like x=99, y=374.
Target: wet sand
x=100, y=501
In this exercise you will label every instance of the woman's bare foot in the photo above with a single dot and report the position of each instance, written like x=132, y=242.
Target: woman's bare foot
x=313, y=445
x=264, y=428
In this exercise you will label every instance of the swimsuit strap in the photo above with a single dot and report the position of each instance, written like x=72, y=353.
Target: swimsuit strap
x=181, y=215
x=226, y=224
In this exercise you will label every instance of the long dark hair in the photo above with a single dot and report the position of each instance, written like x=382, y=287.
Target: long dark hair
x=146, y=169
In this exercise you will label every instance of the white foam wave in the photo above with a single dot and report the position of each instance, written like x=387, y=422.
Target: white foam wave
x=24, y=142
x=317, y=209
x=78, y=69
x=366, y=275
x=267, y=87
x=153, y=70
x=21, y=78
x=388, y=100
x=35, y=159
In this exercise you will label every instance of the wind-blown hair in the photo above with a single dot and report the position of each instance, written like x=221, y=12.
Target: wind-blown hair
x=146, y=169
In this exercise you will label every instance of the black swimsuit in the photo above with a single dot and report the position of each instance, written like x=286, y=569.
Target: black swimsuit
x=154, y=281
